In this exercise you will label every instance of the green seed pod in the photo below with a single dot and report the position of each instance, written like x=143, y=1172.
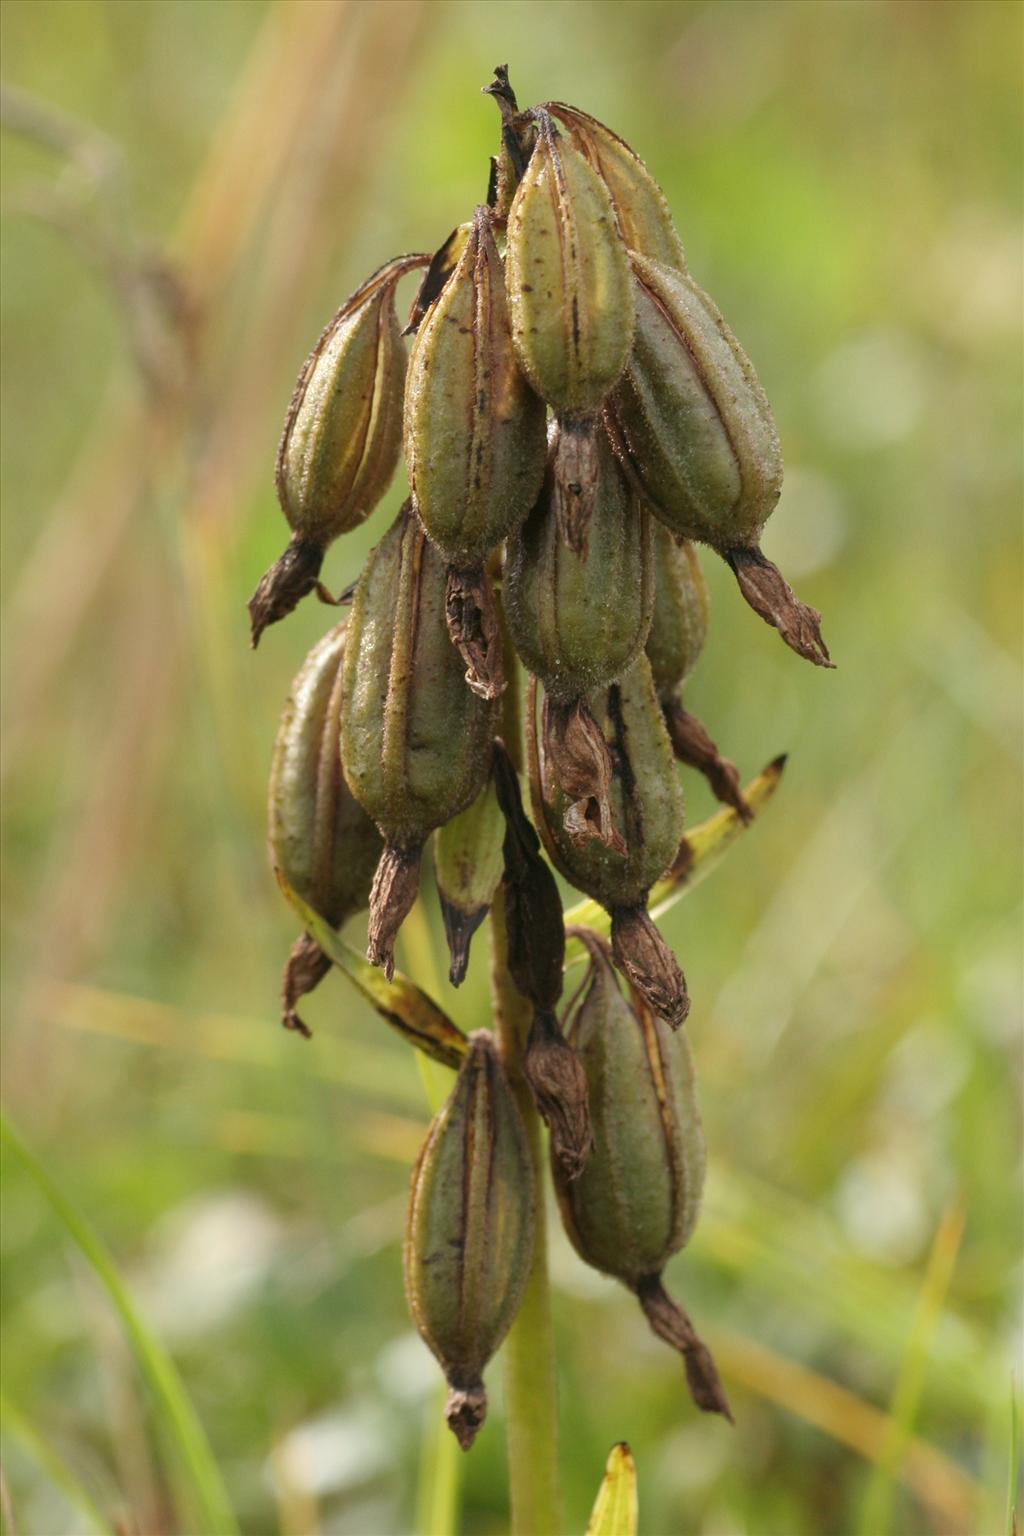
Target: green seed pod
x=692, y=424
x=676, y=640
x=680, y=623
x=646, y=804
x=468, y=863
x=320, y=838
x=469, y=1234
x=578, y=621
x=641, y=209
x=342, y=438
x=415, y=741
x=569, y=282
x=636, y=1202
x=474, y=430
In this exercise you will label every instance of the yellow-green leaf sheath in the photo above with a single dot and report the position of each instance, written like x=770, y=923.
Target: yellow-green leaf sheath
x=415, y=741
x=579, y=619
x=680, y=623
x=569, y=282
x=645, y=220
x=474, y=430
x=469, y=1233
x=691, y=419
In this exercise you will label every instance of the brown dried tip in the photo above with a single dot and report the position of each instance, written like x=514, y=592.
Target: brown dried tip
x=577, y=756
x=648, y=964
x=672, y=1324
x=459, y=928
x=574, y=472
x=535, y=934
x=769, y=594
x=305, y=969
x=394, y=890
x=285, y=585
x=465, y=1411
x=692, y=745
x=558, y=1083
x=472, y=617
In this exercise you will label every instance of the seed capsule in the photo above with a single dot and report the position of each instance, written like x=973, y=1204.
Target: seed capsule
x=474, y=430
x=692, y=424
x=641, y=209
x=646, y=802
x=342, y=438
x=469, y=1234
x=636, y=1202
x=569, y=283
x=578, y=621
x=675, y=642
x=320, y=838
x=415, y=741
x=467, y=867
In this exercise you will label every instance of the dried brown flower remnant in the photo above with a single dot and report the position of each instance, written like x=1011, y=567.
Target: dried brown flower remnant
x=558, y=1083
x=469, y=1234
x=467, y=869
x=533, y=908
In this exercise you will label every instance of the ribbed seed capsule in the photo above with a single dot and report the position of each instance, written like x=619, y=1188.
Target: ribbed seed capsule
x=468, y=863
x=676, y=640
x=469, y=1234
x=571, y=299
x=693, y=425
x=641, y=209
x=415, y=741
x=320, y=838
x=474, y=430
x=636, y=1202
x=646, y=801
x=578, y=621
x=342, y=438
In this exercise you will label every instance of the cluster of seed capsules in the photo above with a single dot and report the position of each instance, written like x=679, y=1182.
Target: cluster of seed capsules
x=575, y=414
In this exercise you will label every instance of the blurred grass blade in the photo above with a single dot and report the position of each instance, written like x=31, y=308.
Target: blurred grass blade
x=437, y=1493
x=616, y=1511
x=877, y=1509
x=172, y=1407
x=1014, y=1489
x=705, y=846
x=400, y=1002
x=52, y=1466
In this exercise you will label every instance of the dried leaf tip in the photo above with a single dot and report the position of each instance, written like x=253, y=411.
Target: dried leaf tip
x=770, y=595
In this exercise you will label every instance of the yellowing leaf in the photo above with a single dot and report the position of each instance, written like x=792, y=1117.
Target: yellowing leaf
x=616, y=1511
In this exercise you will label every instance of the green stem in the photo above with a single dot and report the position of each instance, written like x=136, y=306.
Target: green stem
x=531, y=1404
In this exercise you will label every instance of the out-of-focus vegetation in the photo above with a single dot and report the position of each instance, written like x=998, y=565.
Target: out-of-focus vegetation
x=189, y=191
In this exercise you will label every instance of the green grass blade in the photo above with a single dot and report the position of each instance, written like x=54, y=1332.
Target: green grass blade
x=52, y=1466
x=174, y=1410
x=616, y=1511
x=877, y=1508
x=437, y=1492
x=1014, y=1488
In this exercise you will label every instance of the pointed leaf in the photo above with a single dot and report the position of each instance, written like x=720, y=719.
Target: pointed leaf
x=400, y=1002
x=700, y=852
x=616, y=1511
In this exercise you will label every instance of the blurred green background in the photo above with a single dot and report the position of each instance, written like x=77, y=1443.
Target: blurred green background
x=189, y=190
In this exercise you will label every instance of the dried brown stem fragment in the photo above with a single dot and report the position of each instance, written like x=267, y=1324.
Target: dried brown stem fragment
x=577, y=757
x=465, y=1411
x=284, y=586
x=533, y=908
x=575, y=471
x=475, y=629
x=648, y=964
x=669, y=1321
x=770, y=595
x=558, y=1083
x=394, y=890
x=692, y=745
x=304, y=970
